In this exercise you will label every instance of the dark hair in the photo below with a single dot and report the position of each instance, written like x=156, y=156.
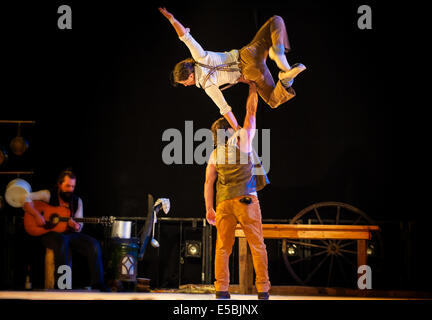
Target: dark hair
x=220, y=124
x=66, y=173
x=182, y=70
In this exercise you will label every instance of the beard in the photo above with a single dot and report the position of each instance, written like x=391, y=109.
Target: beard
x=66, y=196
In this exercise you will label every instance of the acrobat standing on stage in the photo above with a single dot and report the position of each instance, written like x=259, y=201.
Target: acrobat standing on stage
x=211, y=70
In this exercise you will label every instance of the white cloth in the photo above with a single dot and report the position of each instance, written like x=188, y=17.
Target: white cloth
x=218, y=78
x=165, y=204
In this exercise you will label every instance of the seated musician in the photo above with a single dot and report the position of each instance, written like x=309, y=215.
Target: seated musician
x=70, y=236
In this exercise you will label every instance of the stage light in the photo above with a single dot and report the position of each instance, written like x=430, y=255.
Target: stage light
x=292, y=249
x=370, y=250
x=193, y=249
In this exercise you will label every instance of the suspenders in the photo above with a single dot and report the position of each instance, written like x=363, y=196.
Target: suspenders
x=222, y=67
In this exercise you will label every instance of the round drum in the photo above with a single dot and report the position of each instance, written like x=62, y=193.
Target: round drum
x=122, y=261
x=18, y=146
x=16, y=192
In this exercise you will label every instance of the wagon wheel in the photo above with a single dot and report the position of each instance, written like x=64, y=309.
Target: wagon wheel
x=332, y=263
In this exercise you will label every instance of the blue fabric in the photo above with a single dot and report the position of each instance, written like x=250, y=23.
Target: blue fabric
x=279, y=49
x=288, y=82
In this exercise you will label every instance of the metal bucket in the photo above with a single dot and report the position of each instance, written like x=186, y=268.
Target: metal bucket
x=16, y=192
x=121, y=229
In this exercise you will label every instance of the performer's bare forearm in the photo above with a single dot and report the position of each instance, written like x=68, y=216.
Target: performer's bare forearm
x=210, y=179
x=28, y=207
x=251, y=108
x=208, y=194
x=178, y=27
x=231, y=120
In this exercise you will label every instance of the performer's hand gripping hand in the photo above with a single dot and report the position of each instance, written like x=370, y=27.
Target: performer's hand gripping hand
x=211, y=216
x=232, y=141
x=252, y=86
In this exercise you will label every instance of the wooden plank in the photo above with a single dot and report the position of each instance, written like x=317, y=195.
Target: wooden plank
x=295, y=231
x=316, y=227
x=307, y=234
x=310, y=234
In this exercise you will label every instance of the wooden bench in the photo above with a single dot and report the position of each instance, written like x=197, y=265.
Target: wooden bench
x=300, y=231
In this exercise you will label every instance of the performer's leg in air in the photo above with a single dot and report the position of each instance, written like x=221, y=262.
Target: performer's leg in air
x=270, y=41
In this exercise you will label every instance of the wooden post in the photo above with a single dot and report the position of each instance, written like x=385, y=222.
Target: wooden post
x=245, y=267
x=49, y=269
x=361, y=253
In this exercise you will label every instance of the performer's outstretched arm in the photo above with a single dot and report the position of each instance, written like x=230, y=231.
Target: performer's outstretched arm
x=251, y=109
x=232, y=120
x=249, y=126
x=198, y=52
x=194, y=47
x=174, y=22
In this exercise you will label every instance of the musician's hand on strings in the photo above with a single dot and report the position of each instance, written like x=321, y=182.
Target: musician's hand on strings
x=211, y=217
x=74, y=225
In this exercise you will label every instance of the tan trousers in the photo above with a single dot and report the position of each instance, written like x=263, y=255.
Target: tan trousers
x=253, y=62
x=228, y=213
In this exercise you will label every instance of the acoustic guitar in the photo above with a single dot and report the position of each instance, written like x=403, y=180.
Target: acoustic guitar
x=56, y=219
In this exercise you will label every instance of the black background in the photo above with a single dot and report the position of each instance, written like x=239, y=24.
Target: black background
x=101, y=99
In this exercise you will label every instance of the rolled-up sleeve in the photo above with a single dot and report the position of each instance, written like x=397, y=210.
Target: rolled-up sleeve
x=42, y=195
x=216, y=95
x=194, y=47
x=79, y=213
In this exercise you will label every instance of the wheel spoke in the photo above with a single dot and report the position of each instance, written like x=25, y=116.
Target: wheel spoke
x=325, y=242
x=290, y=269
x=306, y=258
x=348, y=251
x=330, y=270
x=316, y=269
x=358, y=220
x=346, y=244
x=339, y=263
x=318, y=216
x=347, y=260
x=307, y=244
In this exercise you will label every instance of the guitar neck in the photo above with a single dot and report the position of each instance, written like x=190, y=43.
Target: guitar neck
x=87, y=220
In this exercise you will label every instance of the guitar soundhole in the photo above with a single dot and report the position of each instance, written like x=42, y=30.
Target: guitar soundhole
x=53, y=221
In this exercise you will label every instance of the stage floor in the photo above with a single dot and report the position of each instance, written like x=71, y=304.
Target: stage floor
x=93, y=295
